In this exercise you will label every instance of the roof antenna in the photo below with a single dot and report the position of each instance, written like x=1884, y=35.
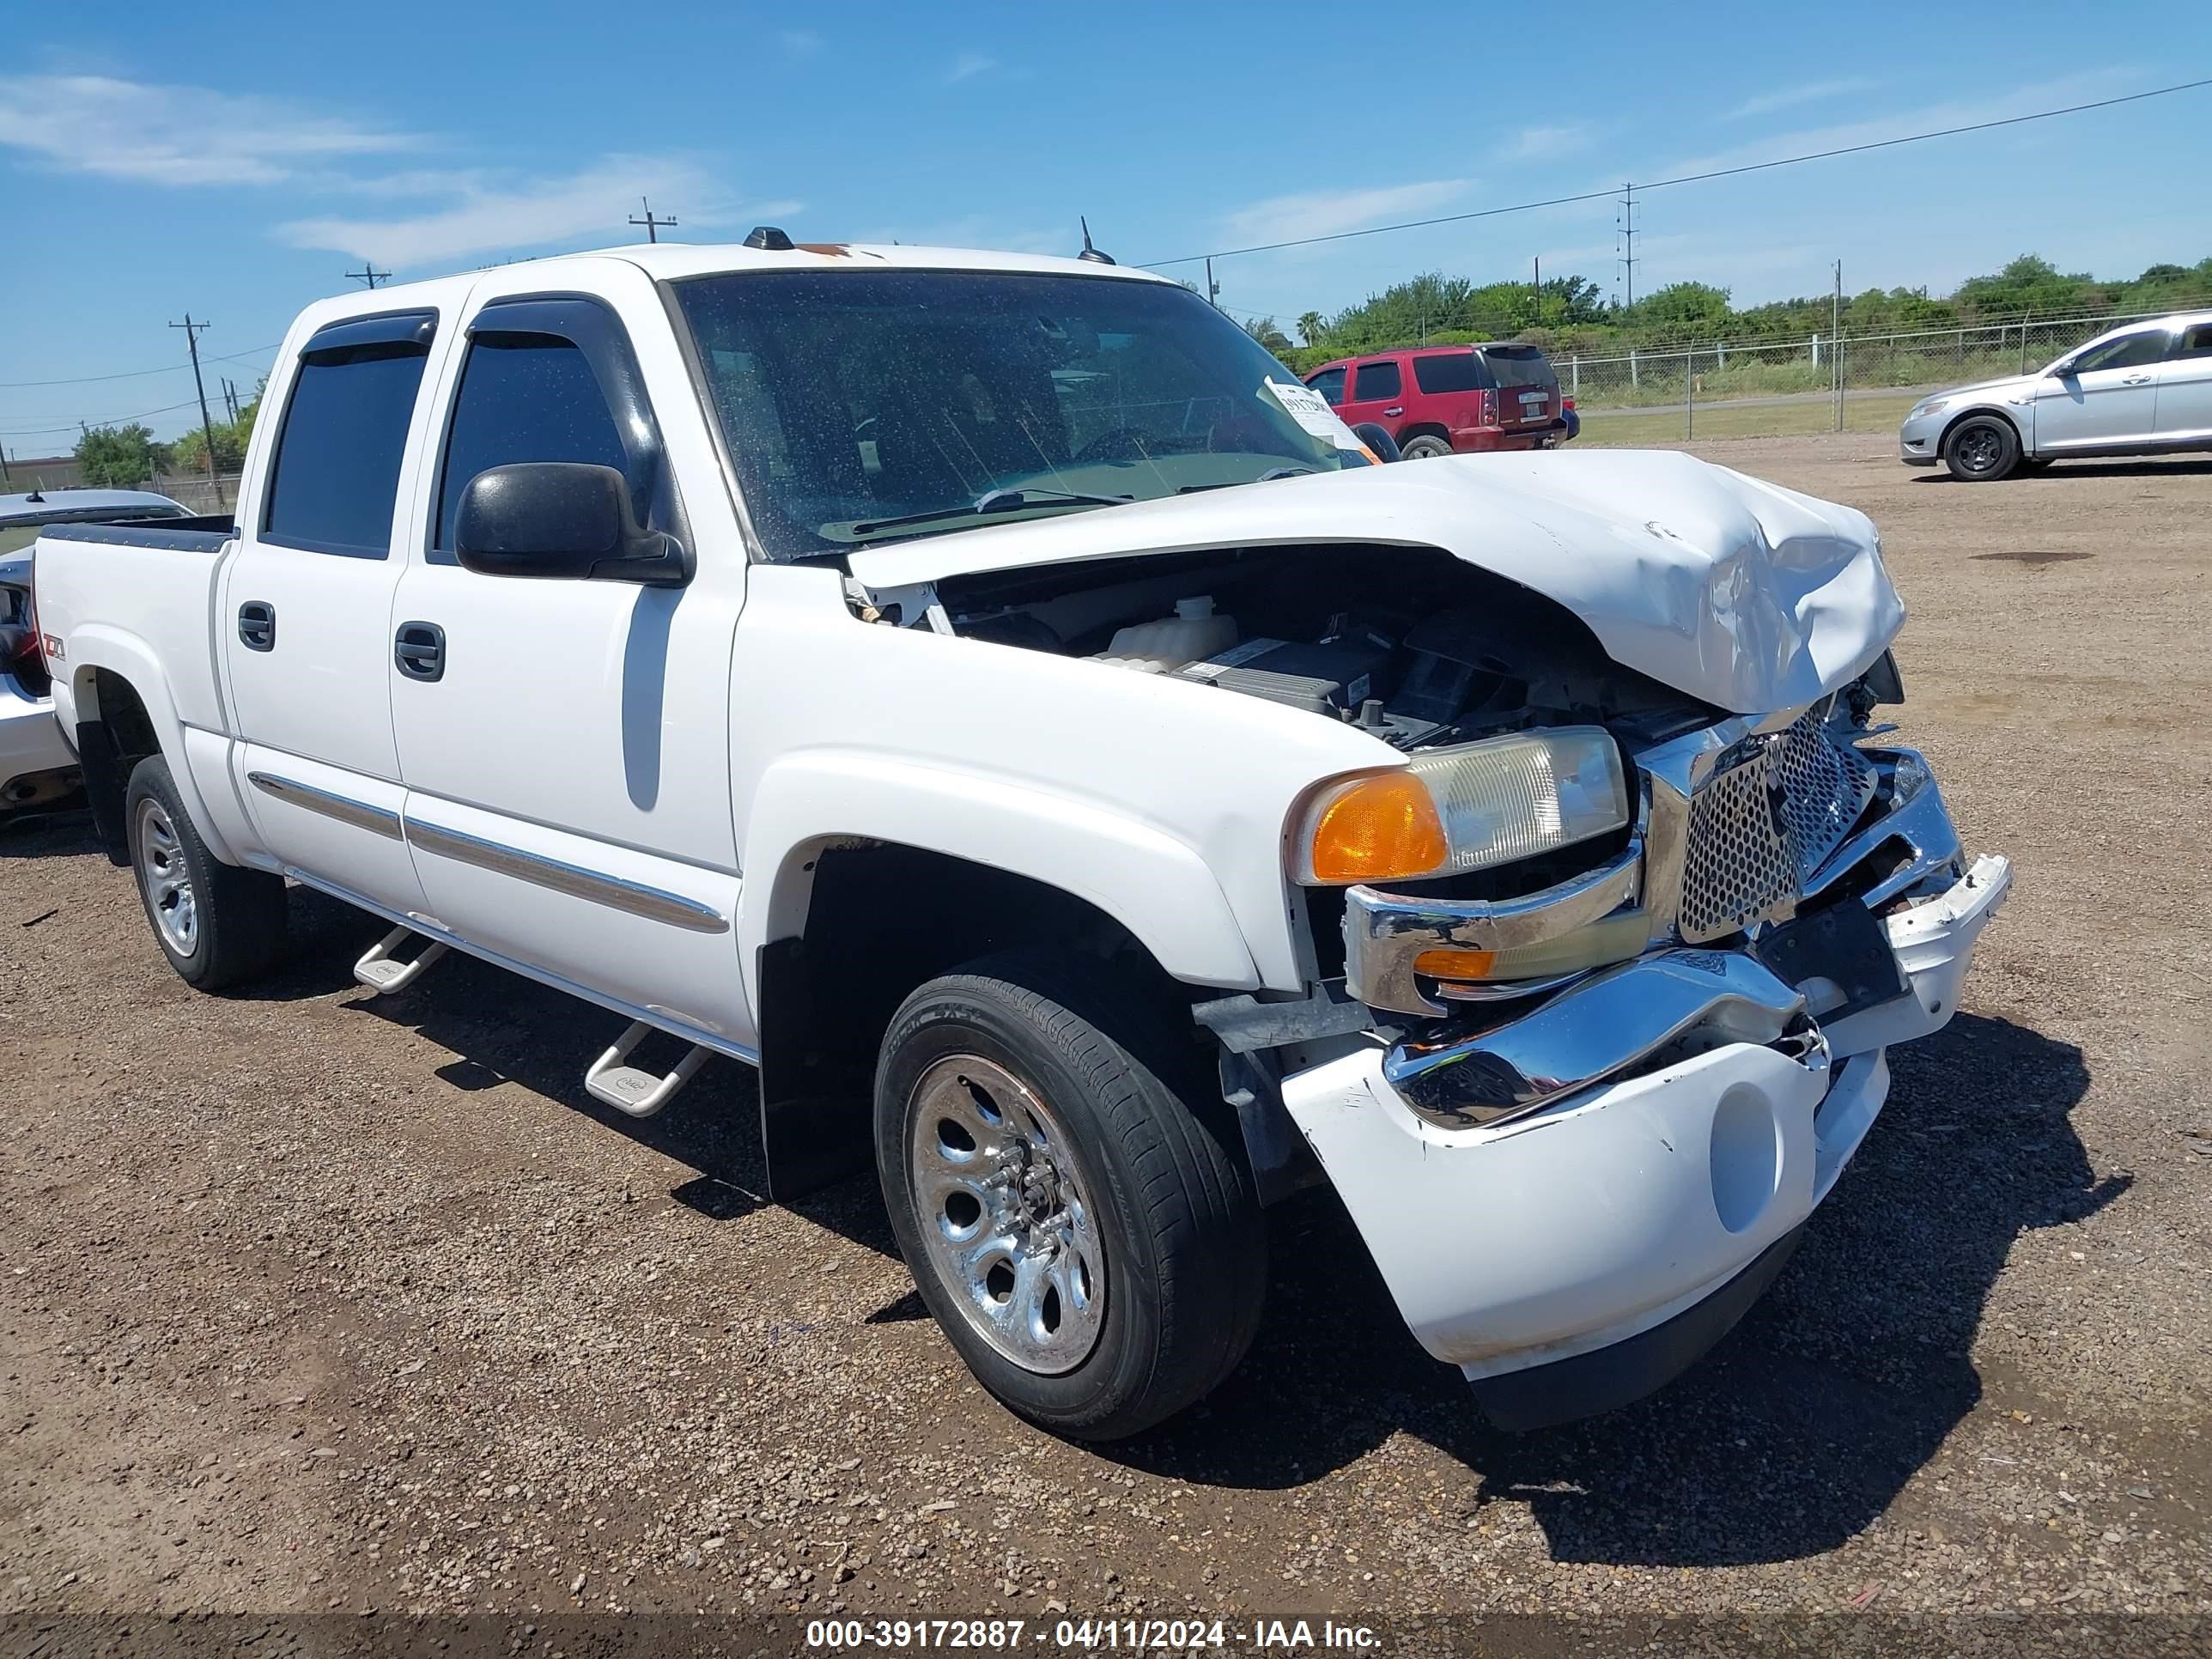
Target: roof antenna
x=1090, y=253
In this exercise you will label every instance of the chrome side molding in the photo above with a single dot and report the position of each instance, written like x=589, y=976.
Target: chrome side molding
x=654, y=903
x=359, y=814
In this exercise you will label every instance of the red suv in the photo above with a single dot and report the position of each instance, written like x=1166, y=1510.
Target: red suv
x=1446, y=398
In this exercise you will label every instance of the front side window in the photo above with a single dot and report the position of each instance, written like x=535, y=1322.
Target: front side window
x=336, y=473
x=2129, y=351
x=1375, y=380
x=861, y=405
x=522, y=398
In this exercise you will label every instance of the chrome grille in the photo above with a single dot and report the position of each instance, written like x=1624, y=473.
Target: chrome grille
x=1766, y=820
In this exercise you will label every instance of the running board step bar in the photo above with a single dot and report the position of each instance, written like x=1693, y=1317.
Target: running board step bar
x=381, y=971
x=635, y=1092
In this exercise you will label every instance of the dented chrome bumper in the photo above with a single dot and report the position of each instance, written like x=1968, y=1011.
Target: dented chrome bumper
x=1573, y=1195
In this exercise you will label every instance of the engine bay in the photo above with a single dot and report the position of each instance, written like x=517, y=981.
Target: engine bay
x=1410, y=644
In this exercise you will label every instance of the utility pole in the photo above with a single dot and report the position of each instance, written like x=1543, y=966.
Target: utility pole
x=1836, y=348
x=230, y=399
x=652, y=226
x=1536, y=286
x=368, y=273
x=1626, y=219
x=1212, y=287
x=193, y=332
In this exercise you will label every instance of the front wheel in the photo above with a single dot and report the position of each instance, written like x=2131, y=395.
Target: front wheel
x=1982, y=449
x=1426, y=448
x=1073, y=1210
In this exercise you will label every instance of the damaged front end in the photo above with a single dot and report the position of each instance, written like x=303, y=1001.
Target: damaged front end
x=1574, y=1179
x=1795, y=852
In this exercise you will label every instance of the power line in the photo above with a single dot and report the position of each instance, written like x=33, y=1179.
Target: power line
x=108, y=420
x=135, y=373
x=1686, y=178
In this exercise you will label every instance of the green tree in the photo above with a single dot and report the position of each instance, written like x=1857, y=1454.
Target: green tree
x=189, y=452
x=1268, y=333
x=117, y=457
x=1310, y=327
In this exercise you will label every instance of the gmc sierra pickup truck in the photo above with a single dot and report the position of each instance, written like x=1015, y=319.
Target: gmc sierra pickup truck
x=992, y=697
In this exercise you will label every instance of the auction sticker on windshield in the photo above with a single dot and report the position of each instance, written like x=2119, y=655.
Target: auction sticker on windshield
x=1311, y=411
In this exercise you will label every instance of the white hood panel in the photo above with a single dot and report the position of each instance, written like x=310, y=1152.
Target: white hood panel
x=1743, y=594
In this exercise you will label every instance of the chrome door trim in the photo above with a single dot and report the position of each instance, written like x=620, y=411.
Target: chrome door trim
x=377, y=820
x=654, y=903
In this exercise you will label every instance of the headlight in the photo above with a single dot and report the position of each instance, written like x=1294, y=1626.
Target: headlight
x=1467, y=808
x=1933, y=406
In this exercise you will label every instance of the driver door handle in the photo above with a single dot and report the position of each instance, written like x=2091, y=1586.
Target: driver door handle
x=2135, y=379
x=418, y=650
x=1399, y=410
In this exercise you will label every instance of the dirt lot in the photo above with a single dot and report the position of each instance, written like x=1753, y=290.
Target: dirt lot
x=312, y=1300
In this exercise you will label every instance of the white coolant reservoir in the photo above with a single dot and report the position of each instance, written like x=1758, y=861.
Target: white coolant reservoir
x=1192, y=634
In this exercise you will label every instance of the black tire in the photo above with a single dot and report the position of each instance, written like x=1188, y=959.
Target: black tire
x=1155, y=1152
x=236, y=917
x=1981, y=449
x=1426, y=446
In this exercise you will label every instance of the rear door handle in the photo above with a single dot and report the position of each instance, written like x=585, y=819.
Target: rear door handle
x=257, y=625
x=419, y=650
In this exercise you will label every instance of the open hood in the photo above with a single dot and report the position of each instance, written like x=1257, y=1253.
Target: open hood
x=1743, y=594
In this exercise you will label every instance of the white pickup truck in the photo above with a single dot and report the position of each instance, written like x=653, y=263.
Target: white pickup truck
x=992, y=697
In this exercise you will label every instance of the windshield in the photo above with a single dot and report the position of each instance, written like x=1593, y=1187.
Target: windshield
x=873, y=405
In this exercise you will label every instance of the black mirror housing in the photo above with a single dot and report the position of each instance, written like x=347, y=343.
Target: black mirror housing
x=560, y=519
x=1378, y=439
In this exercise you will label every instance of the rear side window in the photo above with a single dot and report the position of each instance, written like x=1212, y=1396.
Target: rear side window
x=336, y=472
x=2196, y=341
x=1377, y=380
x=523, y=397
x=1330, y=384
x=1457, y=371
x=1519, y=368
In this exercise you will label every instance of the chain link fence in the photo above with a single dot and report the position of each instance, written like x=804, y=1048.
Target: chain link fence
x=197, y=493
x=1817, y=383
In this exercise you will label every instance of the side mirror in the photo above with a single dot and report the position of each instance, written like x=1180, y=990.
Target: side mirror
x=1384, y=446
x=561, y=519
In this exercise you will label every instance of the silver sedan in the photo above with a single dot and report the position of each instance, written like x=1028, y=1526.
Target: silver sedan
x=2141, y=389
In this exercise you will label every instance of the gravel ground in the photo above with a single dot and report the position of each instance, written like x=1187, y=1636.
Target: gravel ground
x=312, y=1300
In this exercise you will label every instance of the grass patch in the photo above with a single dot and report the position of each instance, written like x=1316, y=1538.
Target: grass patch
x=1615, y=428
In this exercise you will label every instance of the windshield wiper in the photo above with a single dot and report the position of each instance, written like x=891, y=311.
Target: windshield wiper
x=1268, y=476
x=994, y=501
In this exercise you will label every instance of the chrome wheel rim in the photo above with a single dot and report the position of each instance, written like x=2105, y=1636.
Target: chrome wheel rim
x=1005, y=1214
x=169, y=895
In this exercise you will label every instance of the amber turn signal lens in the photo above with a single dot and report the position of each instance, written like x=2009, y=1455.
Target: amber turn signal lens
x=1378, y=829
x=1455, y=964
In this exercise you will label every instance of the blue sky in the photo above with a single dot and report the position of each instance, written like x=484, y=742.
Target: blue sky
x=238, y=169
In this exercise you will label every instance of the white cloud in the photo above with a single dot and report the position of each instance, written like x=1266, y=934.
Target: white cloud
x=1325, y=213
x=1533, y=143
x=1810, y=92
x=586, y=209
x=968, y=65
x=799, y=43
x=176, y=135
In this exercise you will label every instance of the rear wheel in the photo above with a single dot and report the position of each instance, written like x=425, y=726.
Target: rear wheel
x=1071, y=1205
x=1981, y=449
x=1426, y=448
x=218, y=925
